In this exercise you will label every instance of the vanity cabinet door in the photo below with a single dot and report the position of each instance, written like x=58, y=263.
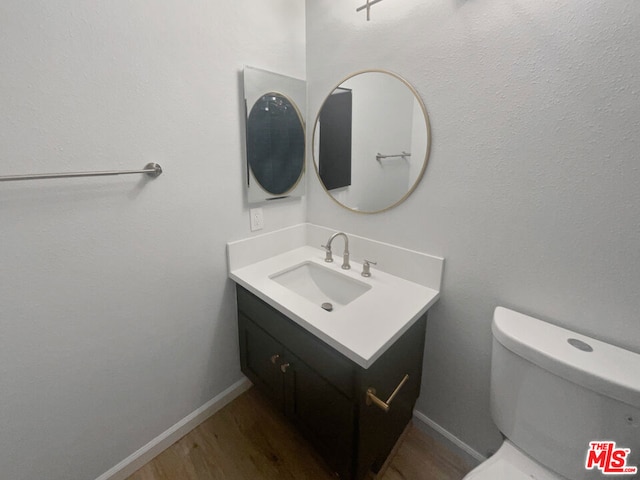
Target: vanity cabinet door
x=323, y=414
x=331, y=365
x=261, y=357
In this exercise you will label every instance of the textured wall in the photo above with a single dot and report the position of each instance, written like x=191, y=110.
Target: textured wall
x=117, y=318
x=531, y=193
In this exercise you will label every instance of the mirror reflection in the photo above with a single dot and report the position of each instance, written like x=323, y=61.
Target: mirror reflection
x=371, y=141
x=275, y=143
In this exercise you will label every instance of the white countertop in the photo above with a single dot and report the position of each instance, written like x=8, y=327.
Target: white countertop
x=361, y=330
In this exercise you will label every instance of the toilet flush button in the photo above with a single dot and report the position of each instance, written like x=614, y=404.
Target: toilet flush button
x=580, y=345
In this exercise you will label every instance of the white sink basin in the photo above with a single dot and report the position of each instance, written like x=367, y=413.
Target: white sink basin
x=369, y=314
x=320, y=285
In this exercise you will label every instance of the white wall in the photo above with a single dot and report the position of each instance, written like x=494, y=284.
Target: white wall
x=117, y=317
x=531, y=193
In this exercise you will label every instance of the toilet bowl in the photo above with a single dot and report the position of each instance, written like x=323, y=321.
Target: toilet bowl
x=553, y=392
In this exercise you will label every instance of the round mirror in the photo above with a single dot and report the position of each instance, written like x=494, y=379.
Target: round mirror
x=275, y=143
x=371, y=141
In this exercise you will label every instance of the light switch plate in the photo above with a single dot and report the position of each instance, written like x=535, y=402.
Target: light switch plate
x=257, y=219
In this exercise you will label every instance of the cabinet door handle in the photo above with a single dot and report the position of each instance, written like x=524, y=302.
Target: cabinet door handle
x=371, y=395
x=284, y=367
x=274, y=358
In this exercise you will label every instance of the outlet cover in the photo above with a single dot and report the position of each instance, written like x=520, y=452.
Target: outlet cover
x=257, y=219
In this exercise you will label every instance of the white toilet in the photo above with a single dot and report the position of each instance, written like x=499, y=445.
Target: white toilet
x=552, y=392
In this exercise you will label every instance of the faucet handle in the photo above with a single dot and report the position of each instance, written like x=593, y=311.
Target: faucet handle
x=328, y=257
x=366, y=267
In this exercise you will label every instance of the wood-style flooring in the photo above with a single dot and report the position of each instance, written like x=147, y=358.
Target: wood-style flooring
x=250, y=440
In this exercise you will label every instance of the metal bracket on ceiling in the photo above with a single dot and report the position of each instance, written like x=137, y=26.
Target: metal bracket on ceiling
x=367, y=6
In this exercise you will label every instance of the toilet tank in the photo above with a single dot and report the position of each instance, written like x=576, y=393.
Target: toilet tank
x=553, y=391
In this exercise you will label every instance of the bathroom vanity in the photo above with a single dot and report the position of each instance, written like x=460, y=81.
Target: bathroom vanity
x=347, y=377
x=324, y=393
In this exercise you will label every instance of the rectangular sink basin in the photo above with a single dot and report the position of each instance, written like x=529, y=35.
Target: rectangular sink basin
x=320, y=285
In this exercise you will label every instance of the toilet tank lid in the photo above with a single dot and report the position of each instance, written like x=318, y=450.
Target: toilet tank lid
x=609, y=370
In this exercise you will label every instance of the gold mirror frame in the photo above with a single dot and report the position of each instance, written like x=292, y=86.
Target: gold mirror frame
x=425, y=114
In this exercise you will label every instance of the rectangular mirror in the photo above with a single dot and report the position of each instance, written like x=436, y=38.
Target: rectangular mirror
x=275, y=107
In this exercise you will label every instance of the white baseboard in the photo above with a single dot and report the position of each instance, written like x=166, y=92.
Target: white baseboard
x=167, y=438
x=424, y=423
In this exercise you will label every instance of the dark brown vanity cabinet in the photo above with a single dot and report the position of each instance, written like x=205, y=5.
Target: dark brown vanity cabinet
x=324, y=393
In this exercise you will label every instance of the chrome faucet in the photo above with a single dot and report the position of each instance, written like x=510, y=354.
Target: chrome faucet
x=345, y=257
